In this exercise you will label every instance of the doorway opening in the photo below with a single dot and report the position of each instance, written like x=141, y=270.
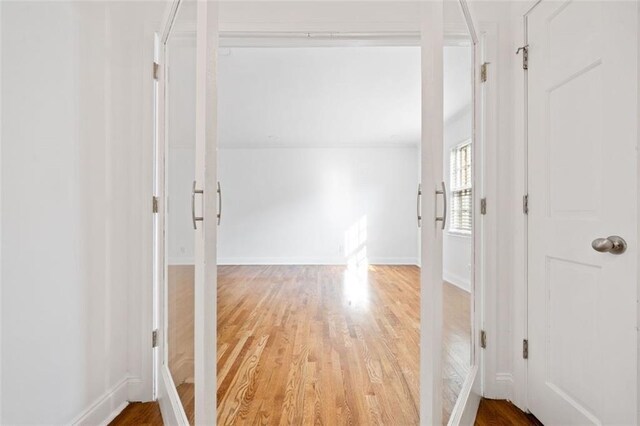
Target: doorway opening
x=318, y=277
x=349, y=314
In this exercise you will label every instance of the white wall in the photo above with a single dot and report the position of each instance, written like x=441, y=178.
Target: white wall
x=311, y=140
x=292, y=205
x=74, y=197
x=318, y=97
x=457, y=249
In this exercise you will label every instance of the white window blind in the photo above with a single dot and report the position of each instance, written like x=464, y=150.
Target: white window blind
x=461, y=198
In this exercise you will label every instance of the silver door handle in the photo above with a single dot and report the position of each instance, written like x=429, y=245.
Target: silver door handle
x=442, y=218
x=219, y=215
x=418, y=205
x=612, y=244
x=195, y=218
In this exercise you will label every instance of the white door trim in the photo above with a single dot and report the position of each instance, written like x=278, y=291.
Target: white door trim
x=518, y=389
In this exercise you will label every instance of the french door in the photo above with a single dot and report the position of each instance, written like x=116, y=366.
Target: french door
x=583, y=195
x=188, y=199
x=186, y=123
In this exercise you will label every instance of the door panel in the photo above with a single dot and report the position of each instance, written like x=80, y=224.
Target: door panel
x=187, y=128
x=179, y=233
x=206, y=234
x=180, y=157
x=582, y=136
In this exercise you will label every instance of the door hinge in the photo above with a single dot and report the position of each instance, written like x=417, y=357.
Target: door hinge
x=155, y=204
x=483, y=339
x=525, y=56
x=525, y=204
x=483, y=72
x=483, y=206
x=525, y=349
x=154, y=338
x=156, y=70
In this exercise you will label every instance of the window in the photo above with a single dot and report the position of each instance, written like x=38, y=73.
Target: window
x=461, y=199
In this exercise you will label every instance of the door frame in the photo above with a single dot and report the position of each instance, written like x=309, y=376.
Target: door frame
x=430, y=399
x=518, y=392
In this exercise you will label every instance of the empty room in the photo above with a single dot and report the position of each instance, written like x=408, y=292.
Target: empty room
x=319, y=212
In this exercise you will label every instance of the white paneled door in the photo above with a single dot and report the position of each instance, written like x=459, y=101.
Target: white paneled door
x=582, y=177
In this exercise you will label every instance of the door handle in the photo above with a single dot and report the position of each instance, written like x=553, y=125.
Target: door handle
x=195, y=218
x=612, y=244
x=418, y=205
x=219, y=215
x=442, y=218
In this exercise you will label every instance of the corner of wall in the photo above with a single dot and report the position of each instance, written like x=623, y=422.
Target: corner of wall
x=106, y=407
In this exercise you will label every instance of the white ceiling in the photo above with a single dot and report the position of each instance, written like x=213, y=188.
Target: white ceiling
x=327, y=96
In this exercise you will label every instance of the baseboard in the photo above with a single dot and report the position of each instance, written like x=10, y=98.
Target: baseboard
x=106, y=407
x=466, y=407
x=179, y=261
x=312, y=261
x=503, y=386
x=413, y=261
x=461, y=283
x=136, y=390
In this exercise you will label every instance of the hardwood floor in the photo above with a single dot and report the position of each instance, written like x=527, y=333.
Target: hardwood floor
x=180, y=339
x=456, y=356
x=493, y=412
x=490, y=413
x=139, y=413
x=307, y=344
x=320, y=344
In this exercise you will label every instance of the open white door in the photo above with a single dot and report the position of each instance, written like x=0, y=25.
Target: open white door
x=206, y=235
x=582, y=141
x=186, y=130
x=432, y=215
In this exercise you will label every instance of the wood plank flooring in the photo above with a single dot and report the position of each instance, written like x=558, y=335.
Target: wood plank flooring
x=318, y=345
x=139, y=413
x=324, y=345
x=456, y=333
x=493, y=412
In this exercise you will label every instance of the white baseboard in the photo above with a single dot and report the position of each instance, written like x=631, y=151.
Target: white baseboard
x=460, y=282
x=137, y=391
x=280, y=261
x=181, y=261
x=503, y=386
x=413, y=261
x=104, y=409
x=312, y=261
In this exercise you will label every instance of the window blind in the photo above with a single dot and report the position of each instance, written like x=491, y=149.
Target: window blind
x=461, y=190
